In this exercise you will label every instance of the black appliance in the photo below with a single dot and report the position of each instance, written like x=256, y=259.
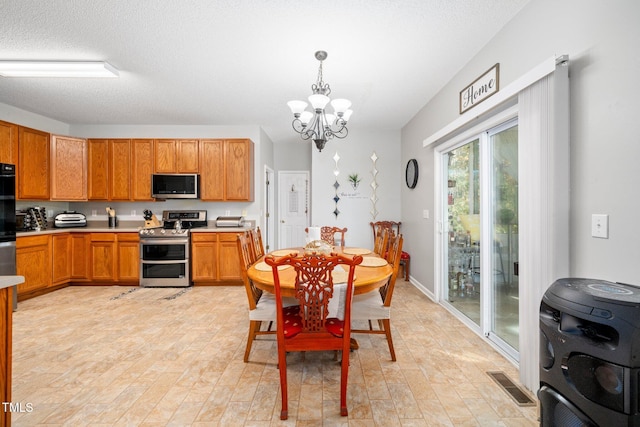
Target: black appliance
x=8, y=224
x=590, y=354
x=175, y=186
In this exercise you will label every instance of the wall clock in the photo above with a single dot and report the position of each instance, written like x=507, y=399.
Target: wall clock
x=411, y=173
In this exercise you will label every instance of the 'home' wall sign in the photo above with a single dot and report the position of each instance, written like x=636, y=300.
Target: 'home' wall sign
x=481, y=89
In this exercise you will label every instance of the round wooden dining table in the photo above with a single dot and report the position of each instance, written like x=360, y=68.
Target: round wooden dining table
x=367, y=278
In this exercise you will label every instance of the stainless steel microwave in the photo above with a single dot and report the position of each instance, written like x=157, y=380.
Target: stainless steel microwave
x=175, y=186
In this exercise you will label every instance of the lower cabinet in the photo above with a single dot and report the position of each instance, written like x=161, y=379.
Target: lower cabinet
x=60, y=258
x=214, y=258
x=114, y=257
x=33, y=261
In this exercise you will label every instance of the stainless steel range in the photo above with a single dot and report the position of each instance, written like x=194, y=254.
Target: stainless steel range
x=164, y=251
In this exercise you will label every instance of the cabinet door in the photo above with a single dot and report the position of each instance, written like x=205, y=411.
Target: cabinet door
x=187, y=156
x=212, y=169
x=119, y=169
x=228, y=262
x=68, y=168
x=61, y=258
x=165, y=151
x=239, y=169
x=204, y=254
x=80, y=267
x=141, y=168
x=8, y=143
x=103, y=257
x=33, y=164
x=98, y=165
x=33, y=261
x=128, y=257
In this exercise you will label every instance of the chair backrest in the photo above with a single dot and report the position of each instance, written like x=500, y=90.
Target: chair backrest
x=314, y=288
x=328, y=234
x=245, y=255
x=381, y=241
x=256, y=240
x=389, y=225
x=393, y=258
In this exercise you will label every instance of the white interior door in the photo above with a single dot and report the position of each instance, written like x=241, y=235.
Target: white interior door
x=293, y=207
x=268, y=236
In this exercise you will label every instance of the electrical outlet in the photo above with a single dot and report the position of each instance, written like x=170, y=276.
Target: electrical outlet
x=133, y=212
x=94, y=212
x=600, y=226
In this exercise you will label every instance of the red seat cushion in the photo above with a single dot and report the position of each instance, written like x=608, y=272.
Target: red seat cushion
x=335, y=326
x=404, y=255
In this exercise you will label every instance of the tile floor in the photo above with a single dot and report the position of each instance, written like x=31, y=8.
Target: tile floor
x=120, y=356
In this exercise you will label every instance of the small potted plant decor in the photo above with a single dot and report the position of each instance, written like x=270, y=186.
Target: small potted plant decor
x=355, y=180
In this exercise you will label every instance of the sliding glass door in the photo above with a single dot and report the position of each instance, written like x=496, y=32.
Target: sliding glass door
x=480, y=192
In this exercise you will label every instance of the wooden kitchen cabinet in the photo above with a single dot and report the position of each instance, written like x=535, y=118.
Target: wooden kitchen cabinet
x=33, y=164
x=103, y=257
x=128, y=257
x=68, y=168
x=212, y=169
x=98, y=171
x=228, y=259
x=33, y=261
x=214, y=258
x=61, y=258
x=119, y=169
x=141, y=168
x=226, y=170
x=115, y=257
x=109, y=165
x=8, y=143
x=176, y=155
x=80, y=250
x=239, y=170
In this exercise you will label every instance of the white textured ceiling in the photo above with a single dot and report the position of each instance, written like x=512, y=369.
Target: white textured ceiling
x=237, y=62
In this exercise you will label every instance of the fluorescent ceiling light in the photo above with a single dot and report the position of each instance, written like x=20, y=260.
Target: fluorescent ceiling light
x=56, y=69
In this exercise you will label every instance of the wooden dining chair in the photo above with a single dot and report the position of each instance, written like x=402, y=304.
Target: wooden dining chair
x=262, y=305
x=381, y=241
x=308, y=326
x=393, y=226
x=376, y=305
x=328, y=234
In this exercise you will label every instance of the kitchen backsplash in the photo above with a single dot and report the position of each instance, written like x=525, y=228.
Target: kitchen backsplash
x=129, y=211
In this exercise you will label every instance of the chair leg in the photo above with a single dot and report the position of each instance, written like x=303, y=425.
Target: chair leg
x=344, y=375
x=406, y=269
x=254, y=326
x=282, y=367
x=387, y=331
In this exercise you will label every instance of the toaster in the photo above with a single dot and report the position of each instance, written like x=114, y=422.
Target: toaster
x=70, y=219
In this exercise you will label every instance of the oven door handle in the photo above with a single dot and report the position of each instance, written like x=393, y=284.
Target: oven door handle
x=161, y=241
x=176, y=261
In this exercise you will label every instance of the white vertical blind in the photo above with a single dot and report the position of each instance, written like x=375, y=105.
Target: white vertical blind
x=543, y=160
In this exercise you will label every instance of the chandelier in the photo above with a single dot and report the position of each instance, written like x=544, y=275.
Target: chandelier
x=319, y=125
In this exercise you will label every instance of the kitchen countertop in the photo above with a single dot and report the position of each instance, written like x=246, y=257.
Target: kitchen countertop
x=8, y=281
x=129, y=227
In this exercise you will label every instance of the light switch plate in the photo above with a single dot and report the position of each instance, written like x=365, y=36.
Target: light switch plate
x=600, y=226
x=425, y=214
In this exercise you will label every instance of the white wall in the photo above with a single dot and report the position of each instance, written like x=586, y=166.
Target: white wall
x=600, y=39
x=355, y=157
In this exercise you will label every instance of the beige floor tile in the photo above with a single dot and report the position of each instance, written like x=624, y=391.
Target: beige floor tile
x=123, y=356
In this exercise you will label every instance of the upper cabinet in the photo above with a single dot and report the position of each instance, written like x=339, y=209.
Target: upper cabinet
x=226, y=170
x=141, y=168
x=33, y=164
x=8, y=143
x=176, y=156
x=109, y=169
x=68, y=168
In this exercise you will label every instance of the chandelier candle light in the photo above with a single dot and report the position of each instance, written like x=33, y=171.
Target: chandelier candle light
x=320, y=125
